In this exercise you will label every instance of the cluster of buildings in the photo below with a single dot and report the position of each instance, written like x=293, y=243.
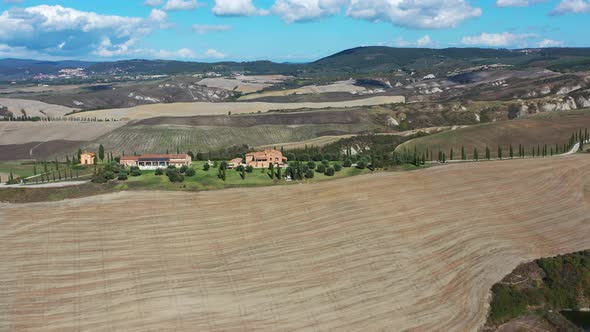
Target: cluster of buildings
x=155, y=161
x=63, y=74
x=260, y=159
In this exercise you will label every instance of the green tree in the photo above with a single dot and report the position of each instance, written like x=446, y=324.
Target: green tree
x=309, y=174
x=488, y=154
x=101, y=152
x=463, y=155
x=451, y=154
x=206, y=167
x=499, y=152
x=475, y=154
x=511, y=152
x=330, y=171
x=321, y=168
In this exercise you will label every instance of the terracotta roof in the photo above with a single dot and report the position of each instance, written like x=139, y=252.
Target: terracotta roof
x=236, y=161
x=265, y=153
x=90, y=153
x=129, y=157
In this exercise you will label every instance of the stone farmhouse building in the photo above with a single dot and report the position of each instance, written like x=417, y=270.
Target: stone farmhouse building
x=87, y=158
x=263, y=159
x=155, y=161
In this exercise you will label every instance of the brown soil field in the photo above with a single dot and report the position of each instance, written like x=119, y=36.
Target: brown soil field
x=16, y=132
x=388, y=251
x=325, y=140
x=40, y=150
x=347, y=116
x=34, y=108
x=208, y=108
x=531, y=131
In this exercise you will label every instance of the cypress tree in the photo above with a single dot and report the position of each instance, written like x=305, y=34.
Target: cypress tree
x=475, y=154
x=34, y=170
x=444, y=158
x=463, y=156
x=511, y=152
x=101, y=152
x=488, y=155
x=451, y=154
x=499, y=152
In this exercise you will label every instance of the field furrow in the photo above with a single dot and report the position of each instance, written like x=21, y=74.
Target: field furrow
x=388, y=251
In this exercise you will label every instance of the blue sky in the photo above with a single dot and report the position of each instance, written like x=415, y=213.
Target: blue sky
x=278, y=30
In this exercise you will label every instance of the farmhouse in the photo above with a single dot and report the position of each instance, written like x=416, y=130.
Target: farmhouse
x=235, y=163
x=87, y=158
x=264, y=159
x=155, y=161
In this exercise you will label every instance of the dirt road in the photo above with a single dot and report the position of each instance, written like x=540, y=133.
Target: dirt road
x=390, y=251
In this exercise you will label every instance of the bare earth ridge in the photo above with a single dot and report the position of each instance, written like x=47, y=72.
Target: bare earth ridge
x=390, y=251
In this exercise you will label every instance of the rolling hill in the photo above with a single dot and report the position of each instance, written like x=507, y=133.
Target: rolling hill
x=405, y=251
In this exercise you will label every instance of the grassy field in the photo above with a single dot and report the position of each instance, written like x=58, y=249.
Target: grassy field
x=208, y=180
x=18, y=169
x=413, y=250
x=548, y=128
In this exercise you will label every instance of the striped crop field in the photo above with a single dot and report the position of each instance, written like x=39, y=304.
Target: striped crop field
x=153, y=139
x=386, y=251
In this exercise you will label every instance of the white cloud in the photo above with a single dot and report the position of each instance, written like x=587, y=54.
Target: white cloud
x=214, y=54
x=498, y=39
x=517, y=3
x=204, y=28
x=306, y=10
x=183, y=53
x=572, y=7
x=158, y=15
x=152, y=3
x=550, y=43
x=236, y=8
x=424, y=41
x=57, y=30
x=181, y=5
x=424, y=14
x=108, y=49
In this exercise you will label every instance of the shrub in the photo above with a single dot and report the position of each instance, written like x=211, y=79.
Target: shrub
x=337, y=167
x=135, y=172
x=190, y=172
x=309, y=174
x=311, y=165
x=325, y=162
x=321, y=168
x=174, y=175
x=330, y=171
x=361, y=164
x=240, y=168
x=134, y=168
x=103, y=176
x=159, y=172
x=171, y=167
x=122, y=176
x=348, y=163
x=183, y=169
x=206, y=167
x=249, y=169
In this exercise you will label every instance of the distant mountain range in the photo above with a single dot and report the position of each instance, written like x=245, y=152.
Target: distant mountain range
x=356, y=61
